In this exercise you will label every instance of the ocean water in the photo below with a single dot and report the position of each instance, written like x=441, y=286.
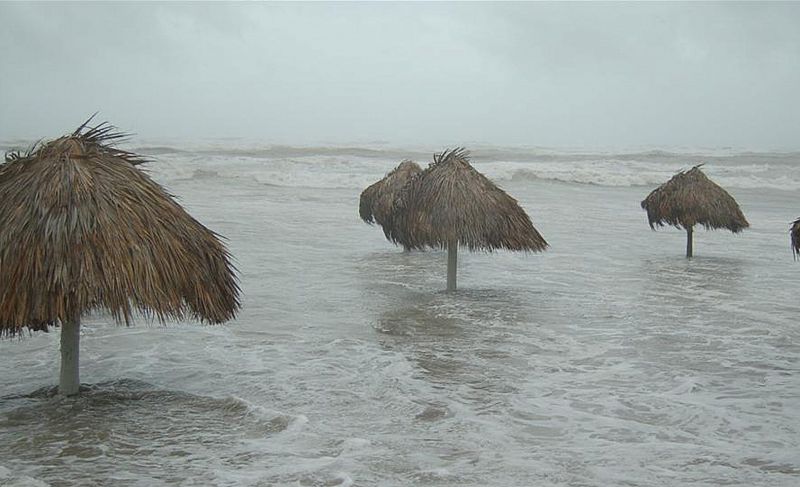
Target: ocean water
x=608, y=360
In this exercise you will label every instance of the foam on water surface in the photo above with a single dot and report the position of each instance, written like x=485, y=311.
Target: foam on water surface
x=607, y=360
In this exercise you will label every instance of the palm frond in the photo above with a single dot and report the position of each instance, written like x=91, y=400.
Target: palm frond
x=82, y=229
x=377, y=201
x=690, y=198
x=451, y=201
x=794, y=232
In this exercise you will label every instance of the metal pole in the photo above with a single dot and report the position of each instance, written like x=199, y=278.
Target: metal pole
x=70, y=383
x=452, y=264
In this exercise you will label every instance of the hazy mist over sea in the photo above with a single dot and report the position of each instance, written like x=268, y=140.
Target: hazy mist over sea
x=595, y=75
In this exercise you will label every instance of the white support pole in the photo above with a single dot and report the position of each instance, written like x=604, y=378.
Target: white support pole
x=452, y=264
x=70, y=383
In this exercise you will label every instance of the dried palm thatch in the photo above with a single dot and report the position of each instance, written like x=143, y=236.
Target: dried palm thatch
x=689, y=198
x=83, y=229
x=377, y=202
x=451, y=204
x=794, y=232
x=367, y=201
x=101, y=136
x=451, y=201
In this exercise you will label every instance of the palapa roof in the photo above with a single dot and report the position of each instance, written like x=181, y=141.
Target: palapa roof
x=794, y=231
x=450, y=200
x=82, y=229
x=377, y=201
x=689, y=198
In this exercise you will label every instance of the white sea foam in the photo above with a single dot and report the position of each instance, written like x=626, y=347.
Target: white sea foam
x=356, y=168
x=607, y=360
x=8, y=479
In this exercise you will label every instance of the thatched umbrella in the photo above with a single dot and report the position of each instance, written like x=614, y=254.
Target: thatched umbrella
x=377, y=202
x=689, y=198
x=83, y=229
x=451, y=204
x=794, y=231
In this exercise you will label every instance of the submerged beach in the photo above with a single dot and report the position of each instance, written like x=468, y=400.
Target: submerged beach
x=609, y=359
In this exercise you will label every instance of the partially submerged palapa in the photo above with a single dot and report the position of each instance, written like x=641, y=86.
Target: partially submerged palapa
x=82, y=228
x=451, y=204
x=794, y=232
x=377, y=202
x=689, y=198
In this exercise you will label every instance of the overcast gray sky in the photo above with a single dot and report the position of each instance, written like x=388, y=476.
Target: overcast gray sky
x=546, y=74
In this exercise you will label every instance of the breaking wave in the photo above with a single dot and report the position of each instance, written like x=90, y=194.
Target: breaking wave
x=358, y=166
